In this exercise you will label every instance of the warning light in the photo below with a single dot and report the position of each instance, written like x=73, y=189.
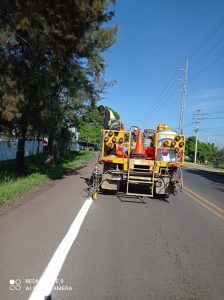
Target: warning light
x=181, y=144
x=166, y=143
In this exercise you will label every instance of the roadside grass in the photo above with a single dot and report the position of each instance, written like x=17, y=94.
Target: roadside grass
x=208, y=165
x=36, y=173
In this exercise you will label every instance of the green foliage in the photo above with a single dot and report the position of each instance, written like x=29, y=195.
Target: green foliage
x=37, y=173
x=189, y=149
x=218, y=158
x=51, y=63
x=90, y=124
x=207, y=152
x=89, y=134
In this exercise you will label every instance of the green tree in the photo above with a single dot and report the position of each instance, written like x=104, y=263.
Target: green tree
x=190, y=147
x=50, y=63
x=218, y=158
x=90, y=124
x=206, y=151
x=87, y=134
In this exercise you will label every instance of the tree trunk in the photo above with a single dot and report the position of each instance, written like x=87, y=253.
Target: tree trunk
x=50, y=145
x=20, y=161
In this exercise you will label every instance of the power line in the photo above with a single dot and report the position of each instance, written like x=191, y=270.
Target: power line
x=210, y=50
x=160, y=99
x=215, y=118
x=159, y=103
x=185, y=126
x=208, y=66
x=207, y=39
x=160, y=106
x=211, y=131
x=213, y=113
x=214, y=128
x=157, y=100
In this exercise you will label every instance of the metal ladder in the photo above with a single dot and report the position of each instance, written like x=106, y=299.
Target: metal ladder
x=140, y=174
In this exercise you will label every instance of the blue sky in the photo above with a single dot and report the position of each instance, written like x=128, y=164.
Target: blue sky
x=155, y=37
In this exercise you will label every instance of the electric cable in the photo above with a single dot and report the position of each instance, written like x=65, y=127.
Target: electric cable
x=207, y=67
x=213, y=113
x=160, y=98
x=206, y=39
x=156, y=109
x=210, y=50
x=214, y=128
x=155, y=103
x=159, y=106
x=215, y=118
x=185, y=126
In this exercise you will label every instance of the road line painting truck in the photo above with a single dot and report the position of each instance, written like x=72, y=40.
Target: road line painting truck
x=147, y=163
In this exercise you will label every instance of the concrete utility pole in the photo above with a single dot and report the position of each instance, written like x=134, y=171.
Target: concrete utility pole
x=183, y=90
x=197, y=119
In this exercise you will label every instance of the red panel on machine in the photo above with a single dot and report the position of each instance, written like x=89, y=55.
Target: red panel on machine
x=150, y=152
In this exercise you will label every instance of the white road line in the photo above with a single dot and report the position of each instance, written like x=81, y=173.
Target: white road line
x=48, y=278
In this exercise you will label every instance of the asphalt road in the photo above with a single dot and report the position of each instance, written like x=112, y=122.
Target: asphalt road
x=127, y=248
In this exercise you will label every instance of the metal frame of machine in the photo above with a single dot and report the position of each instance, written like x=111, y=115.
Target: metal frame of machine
x=140, y=174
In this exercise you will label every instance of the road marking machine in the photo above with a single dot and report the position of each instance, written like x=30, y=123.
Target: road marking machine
x=147, y=163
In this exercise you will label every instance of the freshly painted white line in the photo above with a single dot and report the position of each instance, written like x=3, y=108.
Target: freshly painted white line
x=48, y=278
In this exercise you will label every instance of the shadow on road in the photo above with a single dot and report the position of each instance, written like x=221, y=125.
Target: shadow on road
x=138, y=199
x=215, y=178
x=160, y=198
x=86, y=179
x=123, y=197
x=75, y=171
x=129, y=198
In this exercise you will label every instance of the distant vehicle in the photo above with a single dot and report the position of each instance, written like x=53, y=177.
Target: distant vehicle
x=84, y=146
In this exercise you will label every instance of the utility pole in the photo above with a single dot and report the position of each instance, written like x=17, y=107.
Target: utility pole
x=183, y=98
x=197, y=119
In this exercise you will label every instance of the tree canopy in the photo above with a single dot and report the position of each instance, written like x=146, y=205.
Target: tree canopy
x=51, y=64
x=90, y=124
x=207, y=152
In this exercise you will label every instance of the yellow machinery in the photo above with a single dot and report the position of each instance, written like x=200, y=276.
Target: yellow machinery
x=143, y=164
